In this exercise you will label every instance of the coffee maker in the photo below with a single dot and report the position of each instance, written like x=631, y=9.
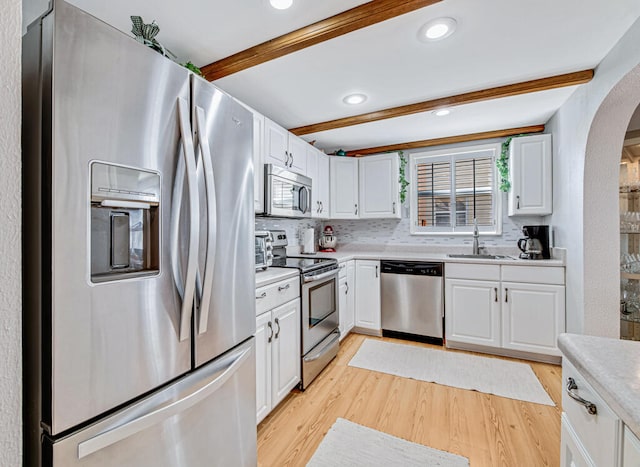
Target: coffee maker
x=535, y=245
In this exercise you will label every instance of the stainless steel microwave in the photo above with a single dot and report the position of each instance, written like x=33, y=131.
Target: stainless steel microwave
x=287, y=194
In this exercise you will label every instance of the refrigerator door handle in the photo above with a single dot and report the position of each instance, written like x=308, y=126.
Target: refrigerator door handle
x=207, y=278
x=161, y=413
x=186, y=163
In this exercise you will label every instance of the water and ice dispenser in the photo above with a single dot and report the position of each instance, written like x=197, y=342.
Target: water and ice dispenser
x=125, y=222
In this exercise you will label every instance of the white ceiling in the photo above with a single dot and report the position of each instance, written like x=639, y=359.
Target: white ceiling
x=497, y=42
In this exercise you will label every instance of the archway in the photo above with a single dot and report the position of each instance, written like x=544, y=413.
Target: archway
x=601, y=225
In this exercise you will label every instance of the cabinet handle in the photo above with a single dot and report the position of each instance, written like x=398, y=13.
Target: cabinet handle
x=317, y=207
x=376, y=271
x=394, y=207
x=278, y=331
x=321, y=206
x=286, y=158
x=262, y=295
x=271, y=329
x=356, y=209
x=283, y=287
x=518, y=202
x=495, y=290
x=506, y=295
x=590, y=406
x=346, y=292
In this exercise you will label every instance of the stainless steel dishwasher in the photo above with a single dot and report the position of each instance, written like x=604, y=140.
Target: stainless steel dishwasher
x=412, y=300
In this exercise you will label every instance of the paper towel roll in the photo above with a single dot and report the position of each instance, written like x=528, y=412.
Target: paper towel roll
x=308, y=241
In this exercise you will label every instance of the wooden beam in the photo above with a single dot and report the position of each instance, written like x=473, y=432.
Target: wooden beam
x=543, y=84
x=348, y=21
x=447, y=140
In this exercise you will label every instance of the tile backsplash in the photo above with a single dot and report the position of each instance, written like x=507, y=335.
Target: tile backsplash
x=393, y=231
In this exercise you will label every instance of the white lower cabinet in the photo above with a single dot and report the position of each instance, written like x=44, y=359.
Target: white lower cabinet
x=277, y=354
x=524, y=311
x=588, y=438
x=367, y=296
x=473, y=312
x=346, y=291
x=630, y=449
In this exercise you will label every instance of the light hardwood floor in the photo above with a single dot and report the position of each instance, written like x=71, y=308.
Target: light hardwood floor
x=489, y=430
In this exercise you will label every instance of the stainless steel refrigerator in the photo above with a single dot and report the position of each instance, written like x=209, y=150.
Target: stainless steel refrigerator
x=139, y=308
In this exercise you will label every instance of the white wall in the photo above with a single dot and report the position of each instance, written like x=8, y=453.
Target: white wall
x=588, y=134
x=10, y=205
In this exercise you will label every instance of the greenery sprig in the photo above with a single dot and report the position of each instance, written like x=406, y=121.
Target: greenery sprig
x=402, y=178
x=502, y=163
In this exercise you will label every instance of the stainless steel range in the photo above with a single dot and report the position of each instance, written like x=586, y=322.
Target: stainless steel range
x=319, y=319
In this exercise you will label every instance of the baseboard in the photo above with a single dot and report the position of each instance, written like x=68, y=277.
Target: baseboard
x=536, y=357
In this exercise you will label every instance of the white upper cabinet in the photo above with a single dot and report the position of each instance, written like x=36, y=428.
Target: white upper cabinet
x=284, y=149
x=275, y=144
x=318, y=171
x=379, y=188
x=530, y=164
x=344, y=187
x=322, y=186
x=297, y=148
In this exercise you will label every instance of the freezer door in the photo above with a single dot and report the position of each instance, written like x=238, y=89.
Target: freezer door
x=224, y=150
x=114, y=101
x=206, y=419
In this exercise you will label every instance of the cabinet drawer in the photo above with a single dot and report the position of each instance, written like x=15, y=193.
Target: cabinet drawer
x=533, y=274
x=599, y=433
x=342, y=270
x=489, y=272
x=273, y=295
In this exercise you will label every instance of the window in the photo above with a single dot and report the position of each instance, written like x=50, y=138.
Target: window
x=453, y=187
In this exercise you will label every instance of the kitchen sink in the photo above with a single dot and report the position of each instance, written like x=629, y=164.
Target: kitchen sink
x=471, y=256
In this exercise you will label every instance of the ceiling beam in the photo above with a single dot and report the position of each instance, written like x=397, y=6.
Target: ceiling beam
x=348, y=21
x=536, y=85
x=447, y=140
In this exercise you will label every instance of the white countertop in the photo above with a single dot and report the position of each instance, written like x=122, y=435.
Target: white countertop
x=612, y=367
x=271, y=275
x=424, y=254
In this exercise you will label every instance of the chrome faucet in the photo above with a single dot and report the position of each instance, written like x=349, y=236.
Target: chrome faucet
x=476, y=235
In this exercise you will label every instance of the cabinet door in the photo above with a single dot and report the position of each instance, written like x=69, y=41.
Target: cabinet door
x=264, y=336
x=379, y=189
x=532, y=317
x=285, y=350
x=351, y=296
x=312, y=173
x=530, y=171
x=572, y=452
x=344, y=187
x=297, y=148
x=275, y=144
x=630, y=449
x=368, y=294
x=472, y=312
x=322, y=187
x=342, y=307
x=258, y=162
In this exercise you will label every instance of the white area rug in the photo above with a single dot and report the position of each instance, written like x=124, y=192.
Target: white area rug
x=348, y=444
x=489, y=375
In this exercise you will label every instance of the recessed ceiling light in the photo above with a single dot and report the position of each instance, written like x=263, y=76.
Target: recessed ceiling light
x=281, y=4
x=442, y=112
x=354, y=99
x=437, y=29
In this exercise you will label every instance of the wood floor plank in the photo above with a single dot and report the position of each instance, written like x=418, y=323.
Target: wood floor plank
x=489, y=430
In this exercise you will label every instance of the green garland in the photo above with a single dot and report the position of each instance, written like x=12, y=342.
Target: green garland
x=503, y=163
x=402, y=178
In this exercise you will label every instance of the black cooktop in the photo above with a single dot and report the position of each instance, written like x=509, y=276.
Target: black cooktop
x=304, y=264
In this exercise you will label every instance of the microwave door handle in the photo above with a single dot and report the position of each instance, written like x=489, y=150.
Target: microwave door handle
x=303, y=199
x=186, y=163
x=205, y=157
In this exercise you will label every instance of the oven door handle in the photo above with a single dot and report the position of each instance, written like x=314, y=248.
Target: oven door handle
x=321, y=351
x=320, y=277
